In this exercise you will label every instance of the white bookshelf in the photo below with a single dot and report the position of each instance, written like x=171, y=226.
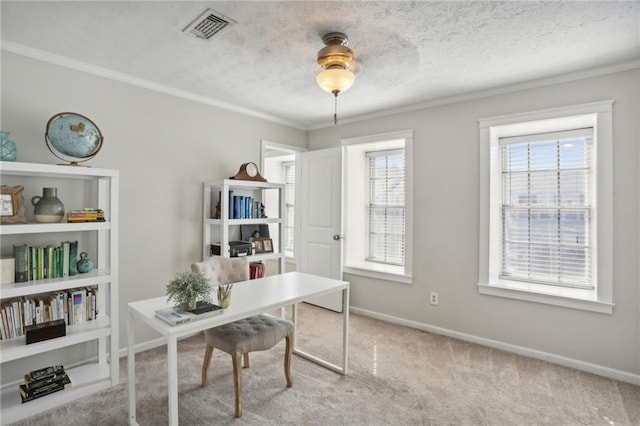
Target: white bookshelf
x=220, y=230
x=99, y=372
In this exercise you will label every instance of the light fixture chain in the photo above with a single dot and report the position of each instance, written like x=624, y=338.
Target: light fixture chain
x=335, y=109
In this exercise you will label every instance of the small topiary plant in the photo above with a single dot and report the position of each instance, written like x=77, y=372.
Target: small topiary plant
x=187, y=288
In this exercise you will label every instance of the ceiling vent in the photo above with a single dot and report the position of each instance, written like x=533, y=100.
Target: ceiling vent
x=208, y=24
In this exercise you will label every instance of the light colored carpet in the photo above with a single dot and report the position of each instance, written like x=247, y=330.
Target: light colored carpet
x=397, y=376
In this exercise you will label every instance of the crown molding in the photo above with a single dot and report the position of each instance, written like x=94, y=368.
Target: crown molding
x=139, y=82
x=63, y=61
x=532, y=84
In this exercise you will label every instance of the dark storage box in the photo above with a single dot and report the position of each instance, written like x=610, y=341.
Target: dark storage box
x=45, y=331
x=236, y=248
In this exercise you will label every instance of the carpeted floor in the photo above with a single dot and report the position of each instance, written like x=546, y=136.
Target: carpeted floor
x=397, y=376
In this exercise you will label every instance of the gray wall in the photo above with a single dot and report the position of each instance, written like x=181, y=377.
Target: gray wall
x=164, y=147
x=446, y=229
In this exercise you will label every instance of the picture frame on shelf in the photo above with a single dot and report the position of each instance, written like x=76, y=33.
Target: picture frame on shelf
x=12, y=205
x=264, y=245
x=254, y=231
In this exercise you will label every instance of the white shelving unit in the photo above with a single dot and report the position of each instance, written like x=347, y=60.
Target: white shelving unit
x=219, y=230
x=94, y=374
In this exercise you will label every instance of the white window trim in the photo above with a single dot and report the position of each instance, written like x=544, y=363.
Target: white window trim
x=401, y=274
x=266, y=145
x=596, y=114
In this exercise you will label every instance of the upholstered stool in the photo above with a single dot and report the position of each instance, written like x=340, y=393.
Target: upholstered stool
x=257, y=333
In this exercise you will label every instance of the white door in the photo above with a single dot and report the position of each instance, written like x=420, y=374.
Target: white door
x=319, y=218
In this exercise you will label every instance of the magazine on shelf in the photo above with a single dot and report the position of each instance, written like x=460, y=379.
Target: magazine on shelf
x=175, y=316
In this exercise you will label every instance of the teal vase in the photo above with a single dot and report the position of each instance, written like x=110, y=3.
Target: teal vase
x=84, y=265
x=8, y=150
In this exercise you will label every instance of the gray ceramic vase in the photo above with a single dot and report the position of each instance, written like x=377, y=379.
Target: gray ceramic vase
x=48, y=208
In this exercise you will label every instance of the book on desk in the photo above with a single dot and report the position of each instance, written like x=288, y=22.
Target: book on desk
x=176, y=316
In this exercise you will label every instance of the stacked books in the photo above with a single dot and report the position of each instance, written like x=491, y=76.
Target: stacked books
x=44, y=381
x=85, y=215
x=175, y=316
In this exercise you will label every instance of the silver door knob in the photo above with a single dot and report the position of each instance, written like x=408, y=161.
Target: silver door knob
x=337, y=237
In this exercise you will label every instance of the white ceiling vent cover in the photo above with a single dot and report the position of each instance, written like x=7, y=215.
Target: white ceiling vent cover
x=208, y=24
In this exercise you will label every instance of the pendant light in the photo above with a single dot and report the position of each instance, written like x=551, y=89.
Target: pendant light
x=338, y=67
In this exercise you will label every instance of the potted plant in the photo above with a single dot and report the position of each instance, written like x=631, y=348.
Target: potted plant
x=187, y=288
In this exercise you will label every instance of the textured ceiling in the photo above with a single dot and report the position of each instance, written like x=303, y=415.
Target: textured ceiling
x=411, y=52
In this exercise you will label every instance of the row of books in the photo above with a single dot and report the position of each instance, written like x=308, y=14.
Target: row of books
x=42, y=382
x=40, y=262
x=85, y=215
x=257, y=270
x=75, y=306
x=244, y=207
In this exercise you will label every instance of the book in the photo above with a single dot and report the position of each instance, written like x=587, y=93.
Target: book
x=78, y=301
x=237, y=206
x=21, y=254
x=65, y=258
x=73, y=257
x=175, y=316
x=43, y=373
x=47, y=387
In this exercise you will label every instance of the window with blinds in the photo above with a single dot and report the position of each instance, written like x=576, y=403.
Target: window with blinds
x=386, y=206
x=547, y=208
x=289, y=173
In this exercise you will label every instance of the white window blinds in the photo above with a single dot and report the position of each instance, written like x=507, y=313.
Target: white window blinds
x=386, y=206
x=548, y=208
x=289, y=173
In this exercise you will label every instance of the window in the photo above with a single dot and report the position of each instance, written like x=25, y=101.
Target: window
x=547, y=210
x=544, y=232
x=289, y=174
x=377, y=205
x=386, y=210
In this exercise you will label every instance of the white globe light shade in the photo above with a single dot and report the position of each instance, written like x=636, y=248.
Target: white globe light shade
x=335, y=80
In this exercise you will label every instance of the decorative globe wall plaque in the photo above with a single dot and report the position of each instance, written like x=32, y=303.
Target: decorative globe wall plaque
x=73, y=137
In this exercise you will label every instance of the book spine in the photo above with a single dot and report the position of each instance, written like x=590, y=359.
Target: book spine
x=5, y=319
x=2, y=333
x=22, y=263
x=237, y=206
x=78, y=305
x=46, y=372
x=32, y=263
x=40, y=261
x=65, y=260
x=73, y=257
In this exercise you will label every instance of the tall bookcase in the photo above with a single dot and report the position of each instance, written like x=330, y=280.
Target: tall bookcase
x=99, y=187
x=225, y=228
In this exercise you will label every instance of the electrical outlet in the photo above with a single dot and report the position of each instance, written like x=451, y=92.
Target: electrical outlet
x=433, y=299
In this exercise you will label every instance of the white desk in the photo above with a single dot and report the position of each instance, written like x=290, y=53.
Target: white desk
x=249, y=298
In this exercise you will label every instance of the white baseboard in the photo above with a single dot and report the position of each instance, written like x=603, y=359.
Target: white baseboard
x=520, y=350
x=149, y=344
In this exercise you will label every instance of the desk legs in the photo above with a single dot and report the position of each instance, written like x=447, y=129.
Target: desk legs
x=342, y=369
x=131, y=369
x=345, y=330
x=172, y=367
